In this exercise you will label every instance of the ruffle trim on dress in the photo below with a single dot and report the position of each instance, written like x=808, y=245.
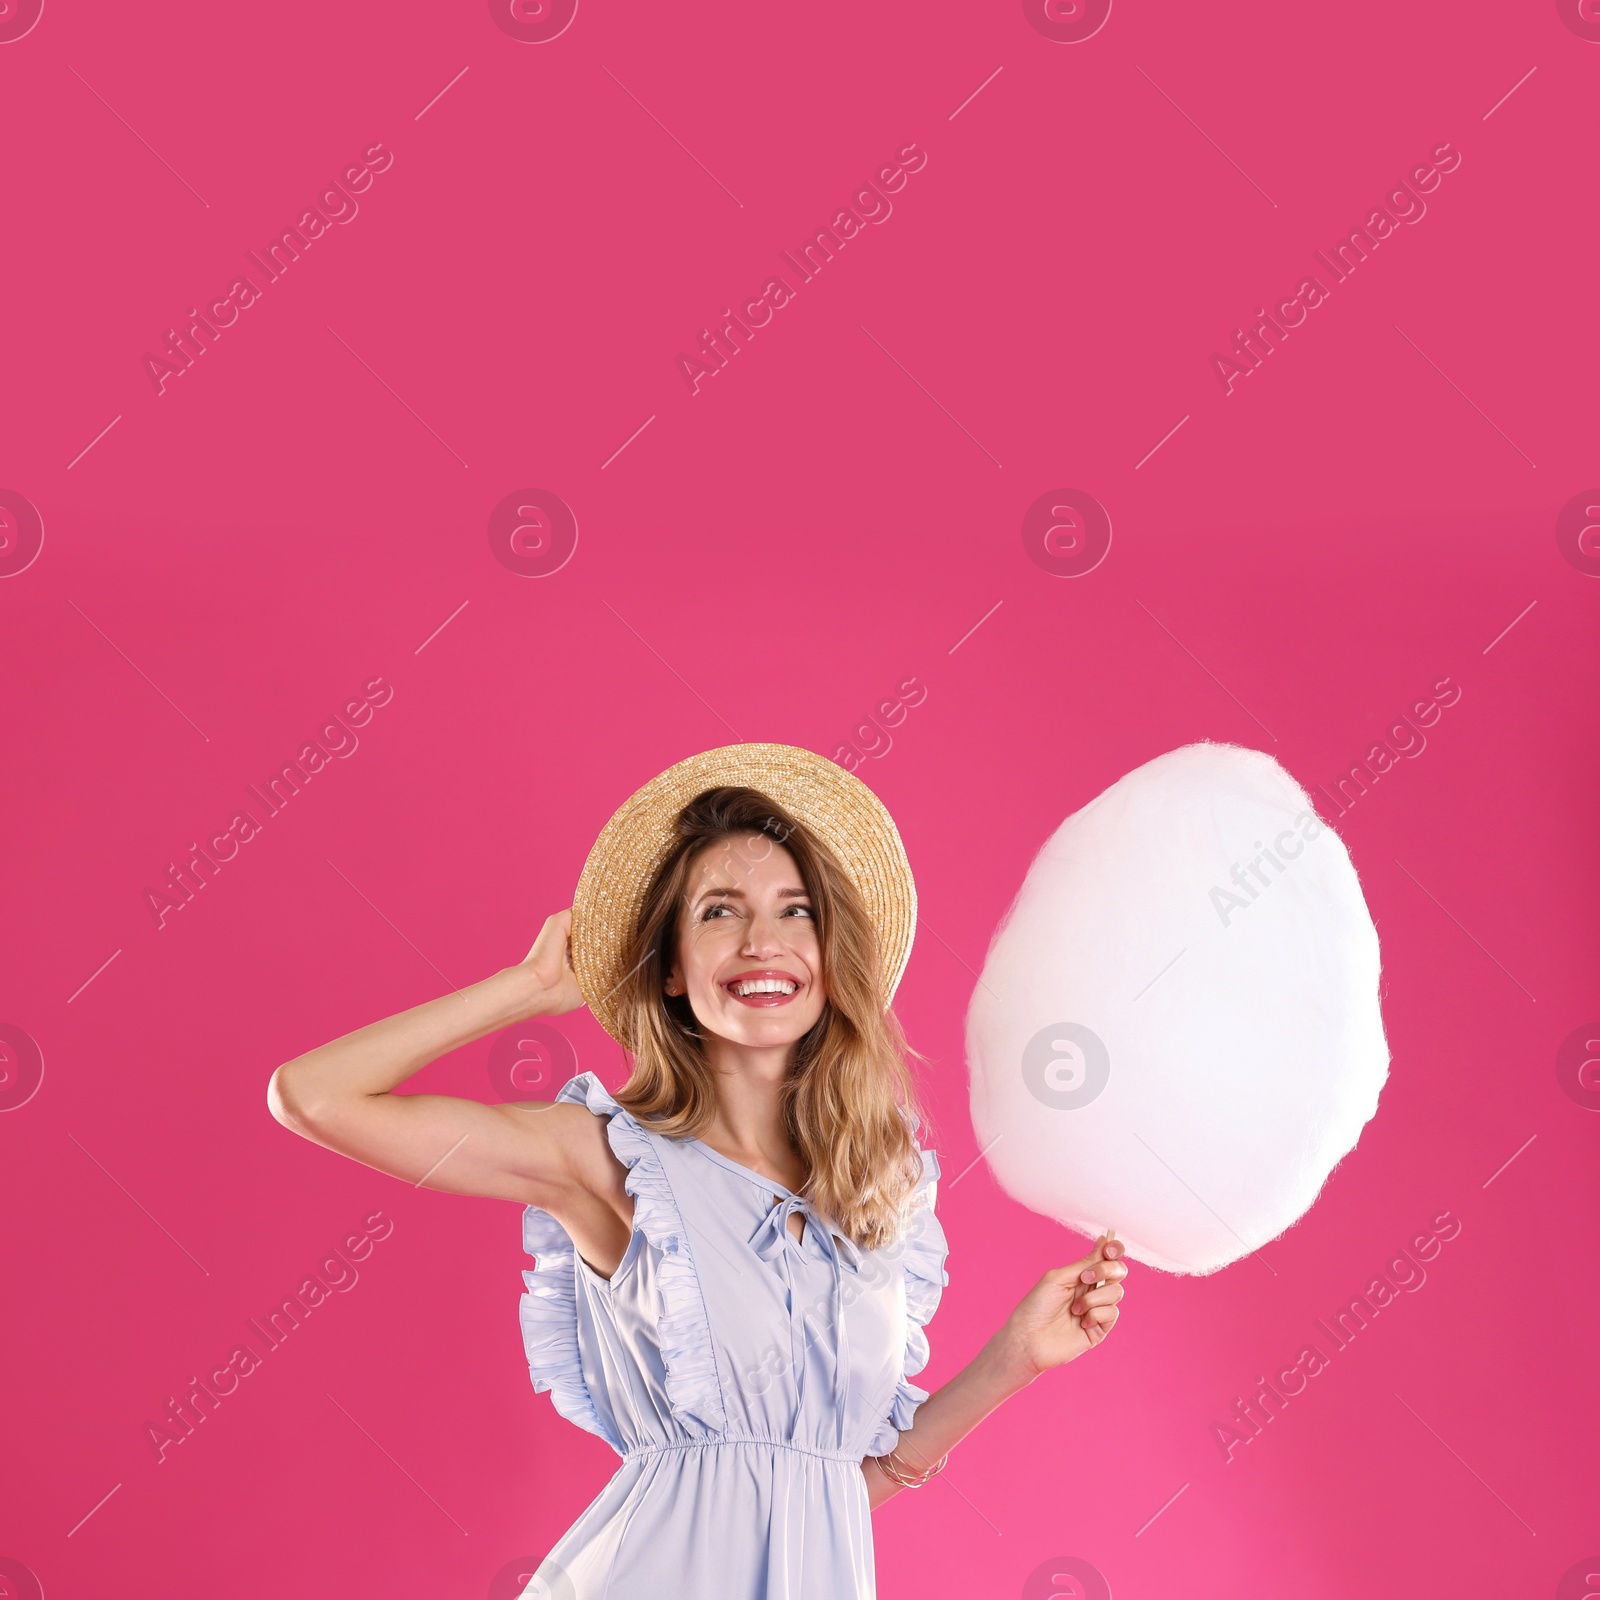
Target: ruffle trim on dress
x=693, y=1387
x=925, y=1250
x=549, y=1316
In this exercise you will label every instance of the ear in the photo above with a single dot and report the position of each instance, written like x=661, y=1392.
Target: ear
x=674, y=983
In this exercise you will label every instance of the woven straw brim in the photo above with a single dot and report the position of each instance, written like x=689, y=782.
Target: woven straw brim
x=838, y=808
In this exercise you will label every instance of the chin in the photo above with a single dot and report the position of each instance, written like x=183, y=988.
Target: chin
x=766, y=1031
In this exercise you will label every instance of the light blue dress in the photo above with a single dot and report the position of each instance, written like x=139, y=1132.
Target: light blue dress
x=741, y=1375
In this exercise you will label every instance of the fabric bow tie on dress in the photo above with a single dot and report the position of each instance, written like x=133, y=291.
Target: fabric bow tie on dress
x=772, y=1234
x=775, y=1244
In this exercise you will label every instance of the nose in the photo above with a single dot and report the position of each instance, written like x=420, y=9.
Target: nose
x=762, y=938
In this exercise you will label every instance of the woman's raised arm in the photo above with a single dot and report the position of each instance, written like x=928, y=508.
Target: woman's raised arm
x=540, y=1154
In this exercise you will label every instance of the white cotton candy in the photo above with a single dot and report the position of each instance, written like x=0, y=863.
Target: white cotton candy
x=1173, y=1035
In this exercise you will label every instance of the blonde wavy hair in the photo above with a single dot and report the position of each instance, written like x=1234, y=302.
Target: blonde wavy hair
x=848, y=1102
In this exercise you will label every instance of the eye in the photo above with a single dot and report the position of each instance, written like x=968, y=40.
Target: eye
x=705, y=916
x=805, y=911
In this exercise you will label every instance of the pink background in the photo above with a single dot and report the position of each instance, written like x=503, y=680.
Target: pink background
x=770, y=558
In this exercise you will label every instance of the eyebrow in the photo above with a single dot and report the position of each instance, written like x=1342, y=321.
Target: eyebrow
x=730, y=893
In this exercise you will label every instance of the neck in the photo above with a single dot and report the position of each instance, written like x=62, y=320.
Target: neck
x=749, y=1121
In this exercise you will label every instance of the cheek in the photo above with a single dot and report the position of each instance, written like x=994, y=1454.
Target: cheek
x=807, y=949
x=819, y=984
x=700, y=963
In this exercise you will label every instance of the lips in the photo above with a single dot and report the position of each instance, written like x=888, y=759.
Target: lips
x=763, y=988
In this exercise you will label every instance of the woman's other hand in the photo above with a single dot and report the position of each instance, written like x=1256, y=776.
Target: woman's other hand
x=1070, y=1310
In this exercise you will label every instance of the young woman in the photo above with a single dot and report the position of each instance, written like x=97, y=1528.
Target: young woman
x=737, y=1252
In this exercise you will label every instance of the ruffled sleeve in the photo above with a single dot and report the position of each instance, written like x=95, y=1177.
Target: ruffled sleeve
x=924, y=1250
x=549, y=1315
x=550, y=1306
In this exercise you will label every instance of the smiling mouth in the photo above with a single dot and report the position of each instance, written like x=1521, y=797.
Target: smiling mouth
x=763, y=991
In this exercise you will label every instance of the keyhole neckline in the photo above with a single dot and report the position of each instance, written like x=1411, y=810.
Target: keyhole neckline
x=794, y=1216
x=767, y=1184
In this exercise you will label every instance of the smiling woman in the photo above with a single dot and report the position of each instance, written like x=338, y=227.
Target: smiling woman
x=737, y=1253
x=745, y=895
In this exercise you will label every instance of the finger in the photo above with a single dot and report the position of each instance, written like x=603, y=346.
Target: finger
x=1109, y=1266
x=1106, y=1295
x=1088, y=1264
x=1096, y=1267
x=1110, y=1247
x=1065, y=1277
x=1099, y=1323
x=1104, y=1272
x=1074, y=1270
x=1095, y=1331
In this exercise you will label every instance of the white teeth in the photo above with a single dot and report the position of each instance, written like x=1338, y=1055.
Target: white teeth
x=765, y=986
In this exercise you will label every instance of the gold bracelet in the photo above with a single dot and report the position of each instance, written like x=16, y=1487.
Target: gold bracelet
x=898, y=1473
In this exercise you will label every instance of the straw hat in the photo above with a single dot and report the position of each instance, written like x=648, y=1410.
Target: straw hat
x=838, y=808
